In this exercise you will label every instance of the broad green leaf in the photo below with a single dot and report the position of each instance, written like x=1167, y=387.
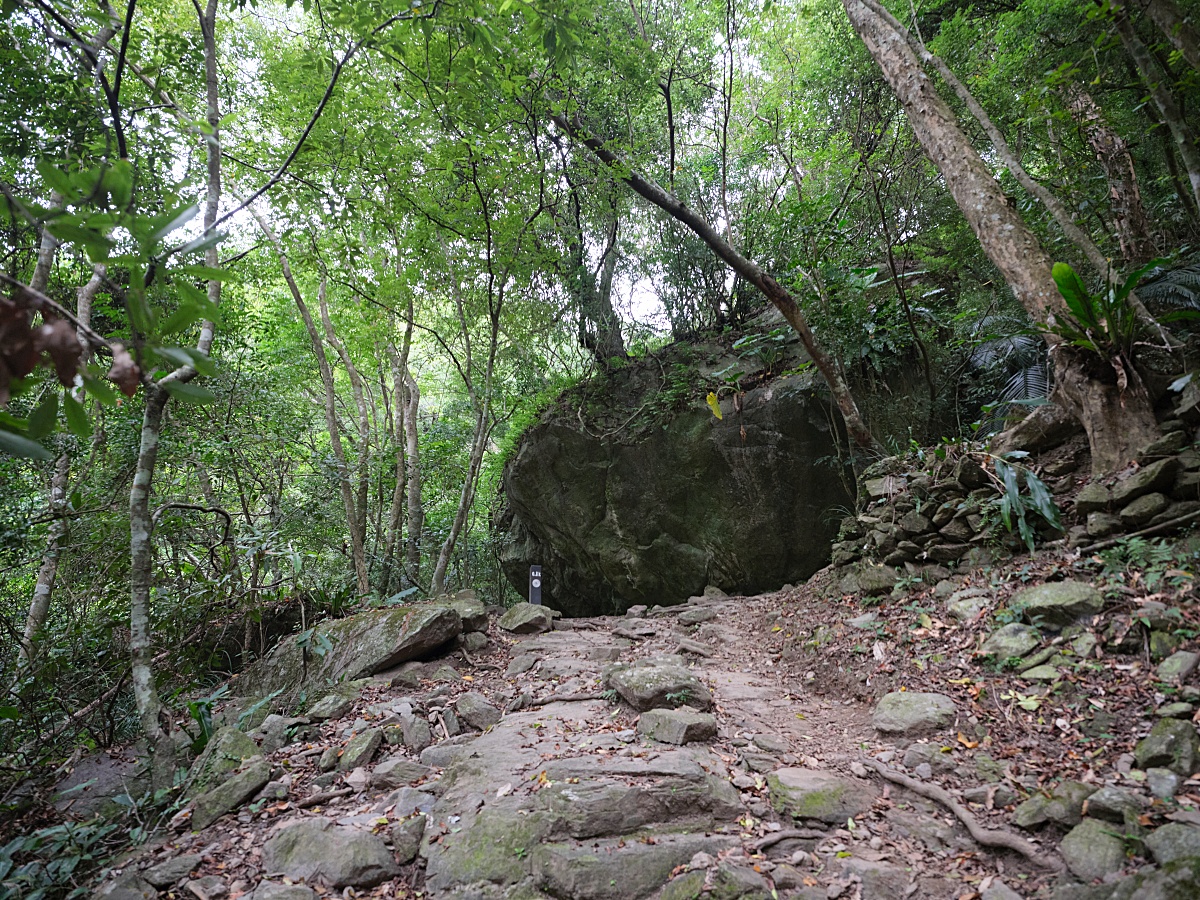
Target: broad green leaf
x=43, y=419
x=57, y=180
x=119, y=182
x=161, y=226
x=208, y=273
x=97, y=244
x=1074, y=292
x=100, y=389
x=77, y=419
x=16, y=445
x=1043, y=500
x=186, y=392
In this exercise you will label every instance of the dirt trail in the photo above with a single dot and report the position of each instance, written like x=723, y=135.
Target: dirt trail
x=564, y=798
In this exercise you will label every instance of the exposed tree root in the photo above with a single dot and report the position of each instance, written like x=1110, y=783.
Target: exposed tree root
x=986, y=837
x=789, y=834
x=318, y=799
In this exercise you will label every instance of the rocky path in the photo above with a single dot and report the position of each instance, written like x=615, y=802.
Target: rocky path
x=672, y=753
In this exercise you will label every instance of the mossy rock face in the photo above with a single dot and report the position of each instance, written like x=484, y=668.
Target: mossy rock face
x=224, y=753
x=341, y=650
x=623, y=511
x=809, y=794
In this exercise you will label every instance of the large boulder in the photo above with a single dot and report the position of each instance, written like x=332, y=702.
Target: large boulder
x=823, y=796
x=337, y=856
x=340, y=650
x=648, y=508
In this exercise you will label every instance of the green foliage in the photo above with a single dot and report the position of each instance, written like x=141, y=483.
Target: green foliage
x=1016, y=506
x=55, y=863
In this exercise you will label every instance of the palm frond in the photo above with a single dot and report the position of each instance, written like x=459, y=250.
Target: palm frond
x=1179, y=288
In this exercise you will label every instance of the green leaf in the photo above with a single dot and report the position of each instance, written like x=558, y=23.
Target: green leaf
x=77, y=419
x=100, y=389
x=186, y=392
x=118, y=181
x=57, y=180
x=161, y=226
x=9, y=712
x=97, y=244
x=1043, y=500
x=43, y=419
x=208, y=273
x=15, y=445
x=1078, y=299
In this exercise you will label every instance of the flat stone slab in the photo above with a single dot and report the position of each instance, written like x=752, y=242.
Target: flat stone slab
x=656, y=687
x=235, y=790
x=525, y=618
x=1012, y=640
x=912, y=712
x=1093, y=850
x=677, y=726
x=812, y=794
x=336, y=856
x=476, y=711
x=398, y=771
x=1057, y=603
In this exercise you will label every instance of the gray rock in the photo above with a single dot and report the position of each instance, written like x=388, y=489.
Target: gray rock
x=1011, y=641
x=1173, y=841
x=361, y=749
x=1093, y=850
x=1178, y=666
x=1162, y=783
x=1114, y=804
x=1058, y=603
x=442, y=755
x=404, y=802
x=1143, y=509
x=1177, y=710
x=525, y=618
x=1063, y=807
x=329, y=759
x=1040, y=673
x=273, y=890
x=331, y=706
x=677, y=726
x=930, y=755
x=471, y=610
x=1002, y=795
x=1092, y=497
x=645, y=521
x=1179, y=880
x=998, y=890
x=519, y=665
x=230, y=793
x=445, y=674
x=416, y=732
x=212, y=886
x=1158, y=476
x=811, y=794
x=875, y=581
x=735, y=882
x=476, y=711
x=1172, y=744
x=359, y=646
x=336, y=856
x=696, y=615
x=170, y=871
x=129, y=886
x=655, y=687
x=880, y=880
x=1102, y=524
x=965, y=606
x=406, y=838
x=273, y=732
x=224, y=753
x=912, y=713
x=398, y=771
x=473, y=641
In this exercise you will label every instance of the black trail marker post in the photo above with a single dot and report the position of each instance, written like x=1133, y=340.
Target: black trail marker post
x=535, y=585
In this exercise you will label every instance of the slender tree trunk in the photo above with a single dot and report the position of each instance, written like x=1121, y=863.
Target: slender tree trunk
x=1112, y=151
x=156, y=724
x=331, y=420
x=413, y=476
x=1183, y=36
x=1118, y=422
x=779, y=296
x=359, y=525
x=395, y=524
x=1160, y=93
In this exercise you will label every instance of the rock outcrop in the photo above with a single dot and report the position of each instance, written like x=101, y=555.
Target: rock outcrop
x=666, y=498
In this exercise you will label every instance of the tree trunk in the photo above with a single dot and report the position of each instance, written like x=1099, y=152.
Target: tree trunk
x=467, y=495
x=412, y=462
x=1160, y=93
x=1008, y=242
x=155, y=723
x=1112, y=151
x=779, y=296
x=331, y=421
x=1182, y=35
x=359, y=525
x=395, y=525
